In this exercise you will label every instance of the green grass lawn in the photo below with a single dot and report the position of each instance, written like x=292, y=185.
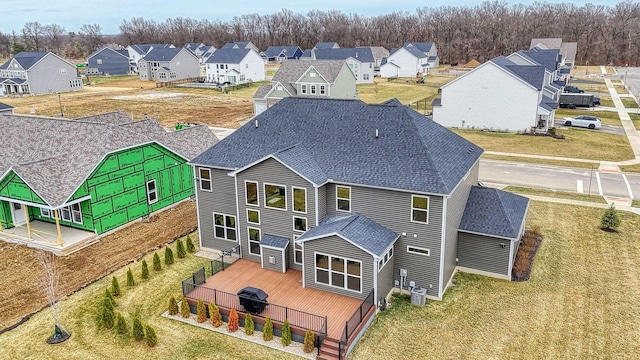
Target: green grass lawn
x=606, y=101
x=556, y=194
x=621, y=89
x=635, y=117
x=98, y=80
x=630, y=168
x=607, y=117
x=405, y=90
x=579, y=143
x=522, y=159
x=241, y=91
x=580, y=303
x=629, y=103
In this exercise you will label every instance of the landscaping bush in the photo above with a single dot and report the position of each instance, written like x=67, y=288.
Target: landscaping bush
x=130, y=280
x=233, y=323
x=145, y=270
x=535, y=230
x=168, y=256
x=107, y=317
x=248, y=324
x=109, y=296
x=184, y=308
x=214, y=314
x=173, y=306
x=308, y=341
x=121, y=325
x=150, y=335
x=182, y=253
x=201, y=311
x=285, y=338
x=106, y=302
x=156, y=262
x=267, y=329
x=610, y=219
x=190, y=247
x=115, y=287
x=138, y=329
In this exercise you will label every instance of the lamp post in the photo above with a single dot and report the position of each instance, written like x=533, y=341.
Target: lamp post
x=60, y=102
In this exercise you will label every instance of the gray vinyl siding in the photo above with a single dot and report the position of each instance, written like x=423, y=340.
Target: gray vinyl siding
x=344, y=87
x=385, y=278
x=455, y=208
x=334, y=245
x=220, y=200
x=46, y=77
x=113, y=63
x=278, y=256
x=322, y=203
x=483, y=253
x=275, y=93
x=392, y=209
x=185, y=65
x=273, y=221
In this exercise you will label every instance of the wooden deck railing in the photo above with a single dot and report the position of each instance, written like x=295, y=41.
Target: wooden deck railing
x=354, y=322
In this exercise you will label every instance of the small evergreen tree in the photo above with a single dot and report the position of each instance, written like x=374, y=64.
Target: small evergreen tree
x=150, y=335
x=267, y=329
x=249, y=326
x=107, y=317
x=107, y=303
x=109, y=296
x=180, y=250
x=130, y=280
x=201, y=311
x=168, y=256
x=121, y=325
x=145, y=270
x=115, y=287
x=234, y=323
x=190, y=247
x=308, y=341
x=285, y=338
x=185, y=311
x=138, y=329
x=214, y=314
x=157, y=266
x=610, y=219
x=173, y=306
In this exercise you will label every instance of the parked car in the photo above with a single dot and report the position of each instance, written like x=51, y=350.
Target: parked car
x=573, y=89
x=596, y=101
x=588, y=121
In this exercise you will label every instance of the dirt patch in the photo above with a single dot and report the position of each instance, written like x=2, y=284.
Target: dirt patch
x=19, y=269
x=525, y=255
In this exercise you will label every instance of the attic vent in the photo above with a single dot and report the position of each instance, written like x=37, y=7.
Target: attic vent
x=376, y=133
x=312, y=74
x=470, y=150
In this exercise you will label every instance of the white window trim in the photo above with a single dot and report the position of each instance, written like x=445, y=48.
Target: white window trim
x=63, y=218
x=266, y=204
x=79, y=211
x=337, y=198
x=257, y=193
x=303, y=88
x=411, y=249
x=249, y=241
x=49, y=215
x=305, y=222
x=295, y=237
x=293, y=199
x=383, y=261
x=253, y=223
x=427, y=210
x=200, y=179
x=149, y=192
x=315, y=272
x=225, y=227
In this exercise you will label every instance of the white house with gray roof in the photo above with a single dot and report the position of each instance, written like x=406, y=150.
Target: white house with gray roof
x=409, y=60
x=169, y=64
x=355, y=196
x=235, y=66
x=33, y=73
x=360, y=60
x=315, y=78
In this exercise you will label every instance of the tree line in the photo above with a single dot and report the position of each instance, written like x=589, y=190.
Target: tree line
x=605, y=34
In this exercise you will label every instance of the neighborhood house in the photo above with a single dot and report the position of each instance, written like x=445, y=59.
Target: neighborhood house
x=33, y=73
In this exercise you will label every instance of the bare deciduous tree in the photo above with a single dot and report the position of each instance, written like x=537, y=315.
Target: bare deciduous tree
x=49, y=282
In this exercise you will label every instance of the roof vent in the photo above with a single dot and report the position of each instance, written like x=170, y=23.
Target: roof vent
x=256, y=124
x=470, y=150
x=376, y=133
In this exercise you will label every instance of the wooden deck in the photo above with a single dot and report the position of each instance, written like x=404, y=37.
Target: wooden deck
x=284, y=289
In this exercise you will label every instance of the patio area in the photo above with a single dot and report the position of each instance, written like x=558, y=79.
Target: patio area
x=284, y=289
x=44, y=236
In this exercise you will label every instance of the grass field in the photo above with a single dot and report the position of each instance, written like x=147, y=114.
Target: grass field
x=581, y=144
x=635, y=117
x=629, y=103
x=621, y=89
x=630, y=168
x=522, y=159
x=556, y=194
x=405, y=90
x=607, y=117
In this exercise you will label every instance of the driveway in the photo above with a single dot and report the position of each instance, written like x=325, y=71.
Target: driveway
x=611, y=129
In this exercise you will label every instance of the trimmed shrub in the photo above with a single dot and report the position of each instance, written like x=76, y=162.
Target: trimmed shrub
x=233, y=323
x=121, y=325
x=150, y=335
x=214, y=314
x=248, y=324
x=180, y=250
x=107, y=317
x=308, y=341
x=267, y=329
x=138, y=329
x=190, y=247
x=145, y=270
x=201, y=311
x=285, y=338
x=173, y=306
x=130, y=280
x=185, y=311
x=115, y=287
x=157, y=266
x=610, y=219
x=168, y=256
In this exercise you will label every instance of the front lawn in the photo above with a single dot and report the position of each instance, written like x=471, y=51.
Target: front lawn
x=553, y=162
x=558, y=194
x=607, y=117
x=405, y=90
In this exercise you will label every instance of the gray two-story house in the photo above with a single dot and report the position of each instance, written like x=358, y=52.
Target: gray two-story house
x=168, y=64
x=31, y=73
x=107, y=61
x=357, y=197
x=316, y=78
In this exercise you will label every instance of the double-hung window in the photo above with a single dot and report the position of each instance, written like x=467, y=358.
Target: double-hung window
x=152, y=192
x=300, y=200
x=420, y=209
x=205, y=179
x=254, y=240
x=251, y=190
x=343, y=198
x=299, y=224
x=297, y=258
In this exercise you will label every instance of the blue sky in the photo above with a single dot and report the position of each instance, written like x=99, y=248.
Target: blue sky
x=71, y=14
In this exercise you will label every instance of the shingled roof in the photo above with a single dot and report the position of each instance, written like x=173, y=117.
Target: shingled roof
x=275, y=51
x=494, y=212
x=26, y=59
x=228, y=56
x=335, y=140
x=532, y=74
x=361, y=54
x=54, y=156
x=290, y=71
x=162, y=54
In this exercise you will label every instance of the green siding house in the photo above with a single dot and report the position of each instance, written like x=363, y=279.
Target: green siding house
x=95, y=173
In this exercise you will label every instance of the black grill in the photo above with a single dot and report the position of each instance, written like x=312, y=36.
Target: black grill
x=253, y=299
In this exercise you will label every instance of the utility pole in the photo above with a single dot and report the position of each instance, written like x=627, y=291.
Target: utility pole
x=60, y=102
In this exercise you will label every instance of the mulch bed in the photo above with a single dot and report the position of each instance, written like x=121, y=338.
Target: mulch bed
x=524, y=274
